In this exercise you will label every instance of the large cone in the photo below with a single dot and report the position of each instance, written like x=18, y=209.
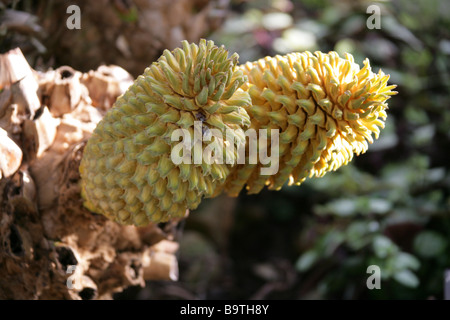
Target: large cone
x=127, y=170
x=325, y=107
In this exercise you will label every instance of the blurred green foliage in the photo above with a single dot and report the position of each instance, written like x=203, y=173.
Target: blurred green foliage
x=389, y=207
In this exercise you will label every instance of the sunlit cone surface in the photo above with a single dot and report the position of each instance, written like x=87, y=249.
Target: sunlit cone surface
x=127, y=171
x=326, y=107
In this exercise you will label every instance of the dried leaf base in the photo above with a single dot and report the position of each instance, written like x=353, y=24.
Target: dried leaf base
x=51, y=246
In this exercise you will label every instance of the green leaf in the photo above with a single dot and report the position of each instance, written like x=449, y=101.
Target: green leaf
x=276, y=21
x=331, y=241
x=384, y=247
x=356, y=235
x=407, y=278
x=429, y=244
x=423, y=135
x=379, y=206
x=416, y=115
x=405, y=261
x=295, y=39
x=340, y=208
x=307, y=260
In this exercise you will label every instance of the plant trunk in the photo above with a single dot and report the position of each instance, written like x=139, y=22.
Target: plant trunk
x=51, y=246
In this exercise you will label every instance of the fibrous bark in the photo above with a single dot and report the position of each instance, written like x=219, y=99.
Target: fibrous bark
x=52, y=247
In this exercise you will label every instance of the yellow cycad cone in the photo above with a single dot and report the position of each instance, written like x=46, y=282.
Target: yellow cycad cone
x=325, y=107
x=127, y=171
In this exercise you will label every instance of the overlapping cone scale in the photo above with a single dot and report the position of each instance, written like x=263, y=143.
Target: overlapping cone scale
x=326, y=108
x=323, y=108
x=127, y=172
